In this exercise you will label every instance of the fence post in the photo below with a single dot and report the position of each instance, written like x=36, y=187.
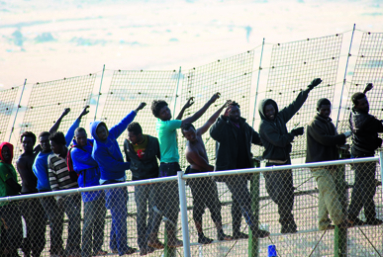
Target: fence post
x=99, y=92
x=254, y=191
x=344, y=77
x=381, y=168
x=340, y=234
x=176, y=94
x=184, y=214
x=256, y=90
x=17, y=111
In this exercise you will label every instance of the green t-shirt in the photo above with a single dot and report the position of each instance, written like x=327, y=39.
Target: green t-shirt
x=167, y=137
x=7, y=171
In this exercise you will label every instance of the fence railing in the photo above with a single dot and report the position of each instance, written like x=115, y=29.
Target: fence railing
x=294, y=203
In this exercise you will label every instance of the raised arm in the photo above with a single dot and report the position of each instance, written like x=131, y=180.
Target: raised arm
x=201, y=111
x=120, y=127
x=213, y=118
x=289, y=111
x=70, y=133
x=189, y=103
x=56, y=126
x=368, y=87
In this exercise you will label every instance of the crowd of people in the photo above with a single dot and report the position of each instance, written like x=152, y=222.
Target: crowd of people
x=55, y=165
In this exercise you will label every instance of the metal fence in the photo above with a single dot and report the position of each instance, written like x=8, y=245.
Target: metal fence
x=226, y=197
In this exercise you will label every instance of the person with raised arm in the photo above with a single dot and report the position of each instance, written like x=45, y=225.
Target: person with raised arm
x=277, y=142
x=204, y=190
x=40, y=169
x=31, y=209
x=107, y=153
x=234, y=138
x=365, y=141
x=166, y=128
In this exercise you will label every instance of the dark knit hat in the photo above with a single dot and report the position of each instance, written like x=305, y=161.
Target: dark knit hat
x=323, y=101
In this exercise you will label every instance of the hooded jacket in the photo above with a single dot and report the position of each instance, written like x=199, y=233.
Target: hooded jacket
x=40, y=166
x=147, y=167
x=223, y=132
x=108, y=153
x=365, y=129
x=274, y=135
x=7, y=171
x=87, y=168
x=322, y=140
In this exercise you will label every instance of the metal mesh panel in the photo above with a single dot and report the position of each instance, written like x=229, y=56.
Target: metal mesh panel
x=368, y=68
x=7, y=102
x=293, y=66
x=49, y=99
x=129, y=88
x=231, y=77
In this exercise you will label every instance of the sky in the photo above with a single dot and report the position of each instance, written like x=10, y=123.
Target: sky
x=44, y=40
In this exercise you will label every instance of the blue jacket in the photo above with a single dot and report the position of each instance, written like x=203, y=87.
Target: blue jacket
x=40, y=166
x=87, y=167
x=108, y=153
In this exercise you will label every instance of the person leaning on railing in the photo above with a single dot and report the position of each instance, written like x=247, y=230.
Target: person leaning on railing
x=142, y=151
x=365, y=141
x=94, y=201
x=107, y=153
x=11, y=226
x=277, y=142
x=322, y=145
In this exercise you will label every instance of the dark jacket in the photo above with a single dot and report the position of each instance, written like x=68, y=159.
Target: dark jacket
x=274, y=135
x=322, y=140
x=365, y=129
x=227, y=146
x=147, y=167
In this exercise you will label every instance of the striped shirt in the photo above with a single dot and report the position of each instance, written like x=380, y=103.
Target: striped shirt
x=59, y=178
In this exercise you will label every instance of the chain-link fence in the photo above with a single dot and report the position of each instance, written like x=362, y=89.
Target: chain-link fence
x=301, y=209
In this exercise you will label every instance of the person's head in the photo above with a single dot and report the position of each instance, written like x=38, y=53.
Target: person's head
x=102, y=131
x=44, y=141
x=58, y=142
x=324, y=107
x=134, y=132
x=360, y=102
x=28, y=140
x=189, y=132
x=81, y=137
x=6, y=151
x=233, y=111
x=161, y=110
x=269, y=110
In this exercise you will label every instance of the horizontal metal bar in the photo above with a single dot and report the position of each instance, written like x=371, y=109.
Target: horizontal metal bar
x=87, y=189
x=277, y=168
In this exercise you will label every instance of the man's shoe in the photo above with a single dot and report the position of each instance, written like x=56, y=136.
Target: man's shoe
x=143, y=251
x=345, y=224
x=150, y=249
x=204, y=240
x=130, y=251
x=356, y=222
x=240, y=235
x=174, y=243
x=259, y=233
x=224, y=237
x=374, y=222
x=156, y=244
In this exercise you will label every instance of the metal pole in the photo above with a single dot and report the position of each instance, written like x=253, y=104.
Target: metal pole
x=17, y=110
x=344, y=77
x=99, y=92
x=184, y=214
x=381, y=168
x=256, y=90
x=253, y=250
x=175, y=97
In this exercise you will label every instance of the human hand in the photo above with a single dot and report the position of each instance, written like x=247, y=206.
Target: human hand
x=85, y=111
x=227, y=103
x=65, y=112
x=368, y=87
x=315, y=83
x=214, y=98
x=347, y=133
x=298, y=131
x=189, y=103
x=141, y=106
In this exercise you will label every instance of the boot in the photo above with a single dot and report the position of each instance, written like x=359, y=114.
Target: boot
x=173, y=242
x=288, y=226
x=154, y=242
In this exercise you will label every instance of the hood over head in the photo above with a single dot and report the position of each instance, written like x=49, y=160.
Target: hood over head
x=10, y=146
x=261, y=108
x=93, y=129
